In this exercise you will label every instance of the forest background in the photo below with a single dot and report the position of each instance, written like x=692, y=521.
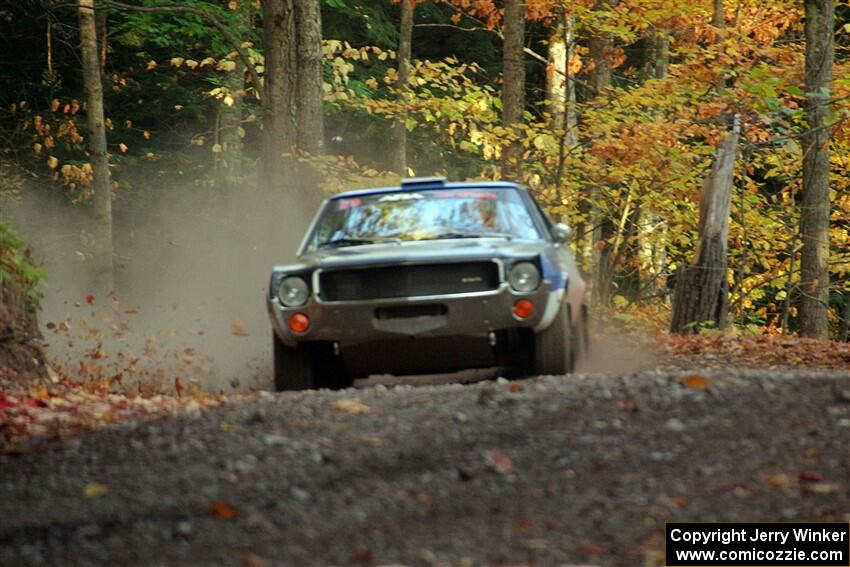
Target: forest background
x=237, y=114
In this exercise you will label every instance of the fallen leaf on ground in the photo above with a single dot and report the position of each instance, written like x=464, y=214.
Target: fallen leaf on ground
x=94, y=489
x=499, y=462
x=252, y=560
x=223, y=510
x=695, y=382
x=809, y=476
x=779, y=481
x=350, y=405
x=821, y=488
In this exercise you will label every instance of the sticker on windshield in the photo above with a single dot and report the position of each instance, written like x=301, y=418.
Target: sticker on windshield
x=465, y=195
x=401, y=197
x=344, y=204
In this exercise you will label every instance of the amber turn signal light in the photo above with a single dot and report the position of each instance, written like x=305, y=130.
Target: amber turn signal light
x=299, y=323
x=523, y=308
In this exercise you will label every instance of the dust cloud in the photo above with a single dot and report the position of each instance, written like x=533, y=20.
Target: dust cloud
x=618, y=352
x=191, y=272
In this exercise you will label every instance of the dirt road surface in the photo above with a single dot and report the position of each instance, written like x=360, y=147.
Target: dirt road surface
x=568, y=470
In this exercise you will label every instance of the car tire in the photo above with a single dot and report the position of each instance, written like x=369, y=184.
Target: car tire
x=553, y=346
x=294, y=368
x=581, y=340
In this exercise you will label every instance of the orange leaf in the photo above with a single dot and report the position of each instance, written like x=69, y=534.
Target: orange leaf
x=696, y=382
x=223, y=510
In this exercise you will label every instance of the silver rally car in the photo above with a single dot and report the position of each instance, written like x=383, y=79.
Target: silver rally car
x=427, y=277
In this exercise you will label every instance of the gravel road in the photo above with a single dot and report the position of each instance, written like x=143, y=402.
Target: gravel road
x=576, y=470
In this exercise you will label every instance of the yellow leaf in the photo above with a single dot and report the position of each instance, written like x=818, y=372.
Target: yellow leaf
x=207, y=61
x=350, y=405
x=226, y=65
x=216, y=149
x=94, y=489
x=177, y=61
x=228, y=100
x=54, y=105
x=123, y=148
x=151, y=65
x=52, y=162
x=233, y=5
x=191, y=63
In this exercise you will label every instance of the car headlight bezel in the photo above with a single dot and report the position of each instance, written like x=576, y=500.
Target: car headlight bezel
x=293, y=291
x=524, y=277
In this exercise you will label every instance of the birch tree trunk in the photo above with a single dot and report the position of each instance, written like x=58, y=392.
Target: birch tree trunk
x=814, y=216
x=513, y=80
x=405, y=49
x=652, y=231
x=701, y=296
x=102, y=199
x=560, y=87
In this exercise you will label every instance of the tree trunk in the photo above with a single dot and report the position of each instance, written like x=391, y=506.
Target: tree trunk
x=405, y=48
x=651, y=228
x=279, y=96
x=560, y=86
x=701, y=294
x=102, y=199
x=599, y=78
x=230, y=133
x=308, y=21
x=814, y=217
x=513, y=80
x=228, y=162
x=844, y=325
x=718, y=21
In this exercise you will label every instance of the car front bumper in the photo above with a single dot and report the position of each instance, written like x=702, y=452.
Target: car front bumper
x=473, y=314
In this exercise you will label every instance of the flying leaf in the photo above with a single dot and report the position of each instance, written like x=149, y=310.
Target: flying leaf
x=237, y=328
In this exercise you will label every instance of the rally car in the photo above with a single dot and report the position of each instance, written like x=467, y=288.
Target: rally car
x=426, y=277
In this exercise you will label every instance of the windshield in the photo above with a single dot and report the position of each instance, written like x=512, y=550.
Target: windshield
x=424, y=215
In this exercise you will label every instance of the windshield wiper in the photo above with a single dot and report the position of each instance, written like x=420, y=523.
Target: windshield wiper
x=339, y=242
x=449, y=235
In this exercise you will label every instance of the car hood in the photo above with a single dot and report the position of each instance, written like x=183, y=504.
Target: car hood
x=423, y=251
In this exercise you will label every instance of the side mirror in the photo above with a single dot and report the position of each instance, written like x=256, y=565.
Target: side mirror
x=562, y=232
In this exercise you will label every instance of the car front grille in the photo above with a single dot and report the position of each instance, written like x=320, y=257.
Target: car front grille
x=408, y=281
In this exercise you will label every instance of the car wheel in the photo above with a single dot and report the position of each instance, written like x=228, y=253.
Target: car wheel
x=581, y=339
x=293, y=366
x=553, y=346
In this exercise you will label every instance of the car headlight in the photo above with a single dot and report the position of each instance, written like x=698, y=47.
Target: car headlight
x=293, y=291
x=524, y=277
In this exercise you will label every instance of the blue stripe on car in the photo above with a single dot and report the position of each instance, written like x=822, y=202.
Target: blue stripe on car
x=552, y=270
